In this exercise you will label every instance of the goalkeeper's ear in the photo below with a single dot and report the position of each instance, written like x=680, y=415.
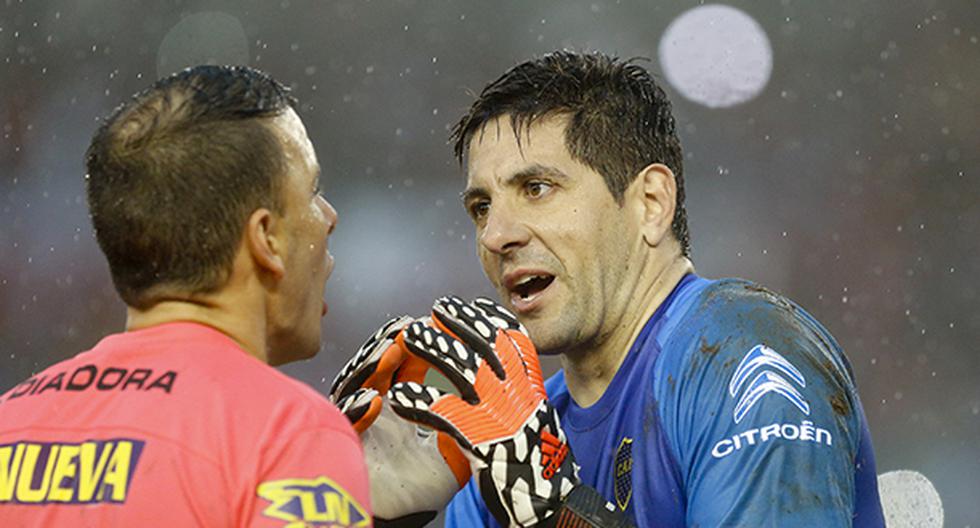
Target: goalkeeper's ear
x=264, y=244
x=652, y=199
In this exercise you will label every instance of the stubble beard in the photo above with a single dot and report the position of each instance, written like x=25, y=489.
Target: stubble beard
x=556, y=335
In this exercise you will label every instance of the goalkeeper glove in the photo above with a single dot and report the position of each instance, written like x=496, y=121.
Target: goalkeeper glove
x=502, y=420
x=413, y=471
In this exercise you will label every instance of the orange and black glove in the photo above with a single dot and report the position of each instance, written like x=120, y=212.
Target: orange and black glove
x=414, y=471
x=369, y=373
x=501, y=419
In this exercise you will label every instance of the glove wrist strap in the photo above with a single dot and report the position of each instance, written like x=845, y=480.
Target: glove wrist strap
x=414, y=520
x=585, y=508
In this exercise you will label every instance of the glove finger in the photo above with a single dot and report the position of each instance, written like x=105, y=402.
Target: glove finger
x=449, y=355
x=498, y=315
x=413, y=402
x=519, y=338
x=472, y=327
x=361, y=408
x=454, y=457
x=365, y=362
x=413, y=368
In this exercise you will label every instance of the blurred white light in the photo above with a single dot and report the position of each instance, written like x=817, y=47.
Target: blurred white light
x=909, y=500
x=716, y=55
x=203, y=38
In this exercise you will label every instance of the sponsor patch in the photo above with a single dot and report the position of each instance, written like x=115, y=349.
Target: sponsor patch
x=805, y=432
x=769, y=372
x=623, y=479
x=90, y=472
x=318, y=502
x=88, y=378
x=773, y=369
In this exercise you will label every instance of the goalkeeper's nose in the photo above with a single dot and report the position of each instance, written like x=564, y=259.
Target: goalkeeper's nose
x=503, y=232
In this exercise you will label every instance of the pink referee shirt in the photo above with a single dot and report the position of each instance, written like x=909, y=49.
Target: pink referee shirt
x=175, y=425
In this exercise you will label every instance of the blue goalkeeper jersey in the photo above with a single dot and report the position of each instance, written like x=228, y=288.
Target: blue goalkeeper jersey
x=733, y=407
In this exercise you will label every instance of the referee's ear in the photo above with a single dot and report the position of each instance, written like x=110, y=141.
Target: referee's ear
x=261, y=240
x=654, y=192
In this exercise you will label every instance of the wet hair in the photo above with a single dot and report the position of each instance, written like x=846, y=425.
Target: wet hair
x=175, y=172
x=619, y=118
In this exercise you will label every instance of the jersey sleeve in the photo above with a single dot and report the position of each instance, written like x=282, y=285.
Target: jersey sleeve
x=468, y=510
x=314, y=477
x=763, y=416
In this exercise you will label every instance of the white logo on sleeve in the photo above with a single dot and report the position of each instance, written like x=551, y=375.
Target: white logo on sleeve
x=769, y=372
x=772, y=378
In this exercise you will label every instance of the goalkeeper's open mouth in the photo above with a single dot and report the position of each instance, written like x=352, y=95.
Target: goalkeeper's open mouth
x=527, y=288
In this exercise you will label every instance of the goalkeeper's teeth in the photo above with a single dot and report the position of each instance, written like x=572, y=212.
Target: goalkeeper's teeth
x=532, y=284
x=530, y=278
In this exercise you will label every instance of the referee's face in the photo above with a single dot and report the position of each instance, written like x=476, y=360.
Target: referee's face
x=553, y=241
x=297, y=304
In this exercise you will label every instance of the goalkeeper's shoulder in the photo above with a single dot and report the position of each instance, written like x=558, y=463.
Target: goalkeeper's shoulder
x=730, y=317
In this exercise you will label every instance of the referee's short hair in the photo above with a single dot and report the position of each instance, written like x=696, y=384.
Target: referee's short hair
x=620, y=119
x=174, y=173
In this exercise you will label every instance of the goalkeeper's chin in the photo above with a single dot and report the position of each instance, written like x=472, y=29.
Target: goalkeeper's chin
x=547, y=342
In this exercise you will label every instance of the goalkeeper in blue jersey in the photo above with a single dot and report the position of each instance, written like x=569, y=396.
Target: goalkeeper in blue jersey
x=681, y=401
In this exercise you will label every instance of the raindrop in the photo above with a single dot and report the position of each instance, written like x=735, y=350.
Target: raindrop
x=696, y=52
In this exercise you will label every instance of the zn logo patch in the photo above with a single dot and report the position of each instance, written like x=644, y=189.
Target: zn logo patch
x=312, y=502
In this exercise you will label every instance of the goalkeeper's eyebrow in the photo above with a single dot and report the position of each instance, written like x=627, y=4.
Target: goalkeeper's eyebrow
x=531, y=172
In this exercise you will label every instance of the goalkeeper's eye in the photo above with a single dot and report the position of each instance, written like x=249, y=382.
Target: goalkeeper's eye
x=537, y=188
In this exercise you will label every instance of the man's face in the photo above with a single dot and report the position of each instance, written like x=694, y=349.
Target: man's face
x=551, y=237
x=308, y=219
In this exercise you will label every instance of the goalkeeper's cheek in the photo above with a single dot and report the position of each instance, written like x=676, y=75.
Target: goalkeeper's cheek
x=585, y=508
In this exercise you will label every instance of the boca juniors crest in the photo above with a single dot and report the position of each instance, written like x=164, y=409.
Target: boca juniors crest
x=623, y=473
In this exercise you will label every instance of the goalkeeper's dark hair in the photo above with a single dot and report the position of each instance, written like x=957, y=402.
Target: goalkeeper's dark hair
x=619, y=118
x=174, y=173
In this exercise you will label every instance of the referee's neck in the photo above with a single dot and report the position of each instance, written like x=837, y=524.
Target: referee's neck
x=245, y=327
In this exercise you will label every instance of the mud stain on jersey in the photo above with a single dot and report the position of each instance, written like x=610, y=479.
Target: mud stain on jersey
x=709, y=349
x=839, y=404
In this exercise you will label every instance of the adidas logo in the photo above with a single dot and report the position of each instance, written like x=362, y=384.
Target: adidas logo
x=553, y=453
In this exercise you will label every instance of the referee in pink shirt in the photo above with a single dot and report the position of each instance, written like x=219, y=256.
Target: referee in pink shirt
x=203, y=191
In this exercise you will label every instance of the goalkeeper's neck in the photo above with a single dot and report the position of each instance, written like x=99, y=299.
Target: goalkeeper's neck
x=590, y=368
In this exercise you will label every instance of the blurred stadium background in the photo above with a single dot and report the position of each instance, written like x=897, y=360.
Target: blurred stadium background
x=849, y=180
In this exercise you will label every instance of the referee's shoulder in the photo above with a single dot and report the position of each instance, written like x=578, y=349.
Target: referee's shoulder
x=263, y=386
